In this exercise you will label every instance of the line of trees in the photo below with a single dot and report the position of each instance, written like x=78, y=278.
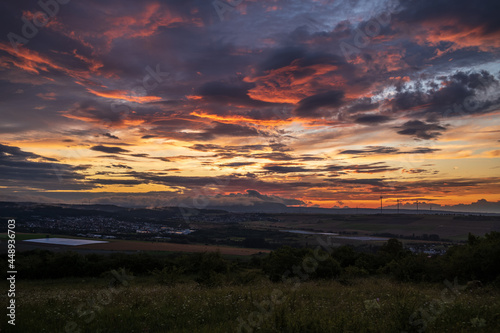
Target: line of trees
x=476, y=260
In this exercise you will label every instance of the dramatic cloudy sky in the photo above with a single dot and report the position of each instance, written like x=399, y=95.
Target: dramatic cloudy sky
x=301, y=102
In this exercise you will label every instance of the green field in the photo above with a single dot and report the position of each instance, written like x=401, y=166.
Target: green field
x=75, y=305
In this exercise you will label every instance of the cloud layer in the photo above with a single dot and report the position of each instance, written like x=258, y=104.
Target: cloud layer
x=314, y=101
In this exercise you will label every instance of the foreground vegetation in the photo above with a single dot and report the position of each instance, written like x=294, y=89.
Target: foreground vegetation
x=364, y=305
x=318, y=289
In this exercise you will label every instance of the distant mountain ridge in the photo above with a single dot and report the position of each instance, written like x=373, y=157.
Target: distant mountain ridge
x=11, y=208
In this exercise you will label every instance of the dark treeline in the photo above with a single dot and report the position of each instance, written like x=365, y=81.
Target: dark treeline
x=476, y=260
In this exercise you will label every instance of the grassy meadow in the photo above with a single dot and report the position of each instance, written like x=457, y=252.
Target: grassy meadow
x=372, y=304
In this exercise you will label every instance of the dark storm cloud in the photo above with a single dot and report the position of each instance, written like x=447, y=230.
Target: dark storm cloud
x=421, y=150
x=276, y=156
x=18, y=168
x=464, y=89
x=377, y=167
x=273, y=156
x=282, y=58
x=221, y=92
x=370, y=150
x=456, y=95
x=111, y=136
x=143, y=155
x=82, y=167
x=16, y=153
x=225, y=149
x=247, y=198
x=120, y=166
x=475, y=80
x=414, y=171
x=372, y=119
x=382, y=150
x=278, y=152
x=273, y=198
x=421, y=130
x=285, y=65
x=269, y=113
x=301, y=57
x=309, y=106
x=223, y=129
x=237, y=164
x=110, y=150
x=110, y=181
x=363, y=104
x=233, y=182
x=309, y=157
x=206, y=147
x=379, y=182
x=469, y=13
x=285, y=169
x=192, y=131
x=98, y=112
x=277, y=146
x=447, y=185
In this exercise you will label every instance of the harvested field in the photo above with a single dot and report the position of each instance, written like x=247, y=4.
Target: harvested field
x=120, y=245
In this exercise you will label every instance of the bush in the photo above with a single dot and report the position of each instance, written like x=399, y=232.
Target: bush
x=169, y=275
x=328, y=269
x=355, y=272
x=282, y=260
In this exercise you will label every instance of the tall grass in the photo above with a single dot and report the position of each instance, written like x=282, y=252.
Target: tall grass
x=372, y=304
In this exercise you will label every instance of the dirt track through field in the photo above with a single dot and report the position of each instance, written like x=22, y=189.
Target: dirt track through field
x=148, y=246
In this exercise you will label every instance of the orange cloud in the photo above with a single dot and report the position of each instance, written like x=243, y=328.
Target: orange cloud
x=47, y=96
x=124, y=95
x=494, y=153
x=236, y=119
x=94, y=64
x=27, y=60
x=36, y=63
x=435, y=32
x=143, y=24
x=282, y=85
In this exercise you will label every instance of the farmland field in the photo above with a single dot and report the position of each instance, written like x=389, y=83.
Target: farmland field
x=123, y=245
x=446, y=226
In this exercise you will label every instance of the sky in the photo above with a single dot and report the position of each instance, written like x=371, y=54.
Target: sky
x=199, y=103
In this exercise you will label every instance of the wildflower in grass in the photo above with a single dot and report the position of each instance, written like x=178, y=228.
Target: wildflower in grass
x=372, y=304
x=478, y=322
